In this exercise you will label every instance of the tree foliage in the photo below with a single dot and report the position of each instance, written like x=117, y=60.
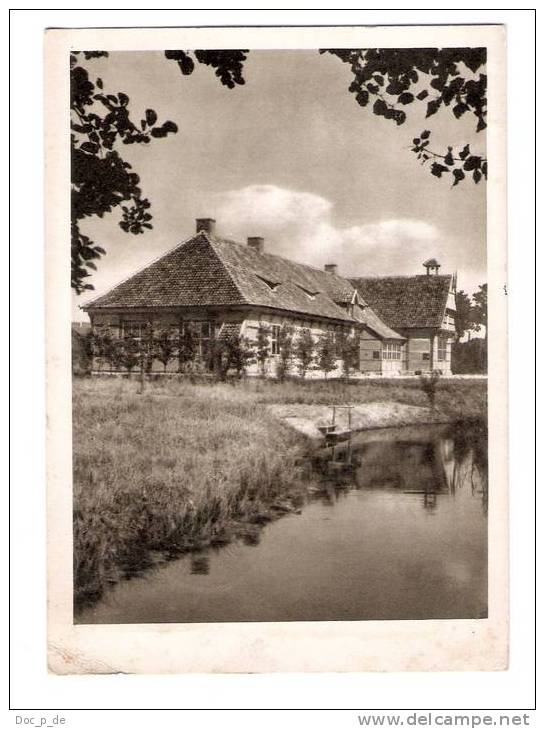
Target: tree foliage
x=463, y=319
x=481, y=308
x=391, y=80
x=232, y=352
x=100, y=122
x=304, y=351
x=164, y=346
x=285, y=351
x=348, y=349
x=327, y=353
x=262, y=347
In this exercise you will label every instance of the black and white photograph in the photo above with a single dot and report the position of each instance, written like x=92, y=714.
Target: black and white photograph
x=279, y=339
x=279, y=348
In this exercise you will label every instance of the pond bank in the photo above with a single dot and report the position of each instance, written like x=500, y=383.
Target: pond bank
x=307, y=419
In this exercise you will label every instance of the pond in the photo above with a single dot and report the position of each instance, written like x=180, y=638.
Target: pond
x=395, y=527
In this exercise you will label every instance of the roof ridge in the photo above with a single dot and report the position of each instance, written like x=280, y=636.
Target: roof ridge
x=401, y=275
x=282, y=258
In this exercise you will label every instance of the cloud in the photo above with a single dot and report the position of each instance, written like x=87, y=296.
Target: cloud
x=301, y=226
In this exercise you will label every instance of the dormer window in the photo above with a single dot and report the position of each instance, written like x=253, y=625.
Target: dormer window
x=310, y=294
x=273, y=285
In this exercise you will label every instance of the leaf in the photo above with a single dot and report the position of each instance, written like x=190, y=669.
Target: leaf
x=458, y=176
x=399, y=116
x=438, y=169
x=449, y=160
x=99, y=83
x=151, y=117
x=362, y=97
x=372, y=88
x=472, y=163
x=425, y=134
x=380, y=107
x=405, y=98
x=422, y=95
x=465, y=151
x=378, y=79
x=433, y=107
x=477, y=176
x=459, y=109
x=89, y=147
x=123, y=98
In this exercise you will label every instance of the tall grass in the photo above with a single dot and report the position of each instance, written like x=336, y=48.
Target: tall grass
x=169, y=474
x=187, y=465
x=456, y=398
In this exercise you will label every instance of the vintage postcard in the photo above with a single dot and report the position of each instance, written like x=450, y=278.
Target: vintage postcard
x=277, y=430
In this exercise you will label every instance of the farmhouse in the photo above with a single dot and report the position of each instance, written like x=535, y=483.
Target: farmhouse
x=222, y=288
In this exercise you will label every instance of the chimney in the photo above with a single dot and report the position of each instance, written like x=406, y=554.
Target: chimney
x=256, y=243
x=330, y=268
x=207, y=225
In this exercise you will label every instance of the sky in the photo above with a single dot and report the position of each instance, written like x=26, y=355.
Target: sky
x=292, y=157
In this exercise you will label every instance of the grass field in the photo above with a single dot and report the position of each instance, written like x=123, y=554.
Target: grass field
x=185, y=466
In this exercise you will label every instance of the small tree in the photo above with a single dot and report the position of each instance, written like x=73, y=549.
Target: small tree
x=188, y=344
x=130, y=353
x=285, y=351
x=262, y=347
x=164, y=347
x=241, y=354
x=348, y=349
x=304, y=351
x=327, y=353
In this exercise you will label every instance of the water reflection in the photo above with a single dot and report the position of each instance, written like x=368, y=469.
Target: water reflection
x=415, y=461
x=395, y=527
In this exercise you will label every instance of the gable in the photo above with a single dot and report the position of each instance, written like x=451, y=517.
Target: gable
x=406, y=302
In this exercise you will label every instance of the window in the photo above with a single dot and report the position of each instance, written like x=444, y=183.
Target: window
x=275, y=333
x=133, y=329
x=425, y=355
x=442, y=349
x=376, y=354
x=391, y=351
x=204, y=333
